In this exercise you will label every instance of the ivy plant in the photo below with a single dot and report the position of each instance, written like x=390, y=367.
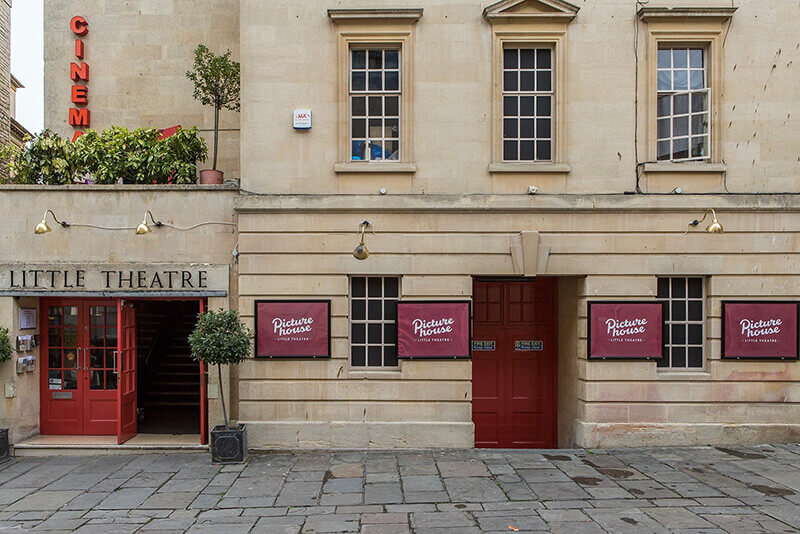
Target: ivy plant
x=220, y=338
x=6, y=349
x=216, y=83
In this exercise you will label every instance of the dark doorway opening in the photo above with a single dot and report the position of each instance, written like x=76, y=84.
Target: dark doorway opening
x=168, y=378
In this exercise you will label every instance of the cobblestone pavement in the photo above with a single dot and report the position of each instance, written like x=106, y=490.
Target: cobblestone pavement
x=697, y=489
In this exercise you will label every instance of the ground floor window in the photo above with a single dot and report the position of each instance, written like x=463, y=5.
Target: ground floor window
x=683, y=321
x=373, y=320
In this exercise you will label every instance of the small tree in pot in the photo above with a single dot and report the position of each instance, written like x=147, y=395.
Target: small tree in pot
x=6, y=352
x=216, y=83
x=221, y=338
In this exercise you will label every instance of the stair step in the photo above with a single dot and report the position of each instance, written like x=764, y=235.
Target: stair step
x=155, y=404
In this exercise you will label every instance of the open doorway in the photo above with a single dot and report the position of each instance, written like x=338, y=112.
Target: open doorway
x=168, y=379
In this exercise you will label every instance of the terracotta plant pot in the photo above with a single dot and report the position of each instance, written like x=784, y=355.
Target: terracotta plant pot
x=211, y=177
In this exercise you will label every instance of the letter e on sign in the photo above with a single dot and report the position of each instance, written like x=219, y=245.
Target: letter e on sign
x=80, y=94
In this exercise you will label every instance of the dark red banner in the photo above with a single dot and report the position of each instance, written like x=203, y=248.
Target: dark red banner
x=625, y=329
x=293, y=329
x=433, y=329
x=759, y=330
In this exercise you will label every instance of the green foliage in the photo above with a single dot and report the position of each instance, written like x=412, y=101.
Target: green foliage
x=47, y=158
x=216, y=79
x=220, y=338
x=107, y=157
x=6, y=350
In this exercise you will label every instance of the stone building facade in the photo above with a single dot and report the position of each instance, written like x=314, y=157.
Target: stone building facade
x=535, y=158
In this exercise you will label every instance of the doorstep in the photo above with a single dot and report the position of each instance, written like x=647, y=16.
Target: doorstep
x=97, y=445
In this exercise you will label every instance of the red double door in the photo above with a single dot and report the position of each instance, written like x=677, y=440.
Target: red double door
x=514, y=363
x=89, y=368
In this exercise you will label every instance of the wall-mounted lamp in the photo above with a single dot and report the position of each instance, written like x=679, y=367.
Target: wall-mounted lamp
x=143, y=227
x=714, y=228
x=362, y=252
x=43, y=228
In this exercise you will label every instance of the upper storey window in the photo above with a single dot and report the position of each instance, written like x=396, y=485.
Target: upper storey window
x=375, y=92
x=684, y=103
x=527, y=104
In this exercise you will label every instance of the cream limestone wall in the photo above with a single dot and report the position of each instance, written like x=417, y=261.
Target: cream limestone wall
x=20, y=413
x=138, y=52
x=290, y=55
x=21, y=208
x=295, y=246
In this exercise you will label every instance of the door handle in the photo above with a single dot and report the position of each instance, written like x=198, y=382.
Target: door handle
x=85, y=359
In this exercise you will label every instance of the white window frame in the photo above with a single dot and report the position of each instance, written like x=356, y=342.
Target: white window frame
x=536, y=94
x=668, y=344
x=367, y=321
x=382, y=94
x=671, y=93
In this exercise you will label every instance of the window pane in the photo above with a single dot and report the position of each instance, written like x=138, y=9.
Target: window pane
x=699, y=147
x=54, y=336
x=543, y=59
x=374, y=333
x=663, y=288
x=392, y=81
x=358, y=106
x=543, y=128
x=359, y=81
x=375, y=310
x=375, y=130
x=664, y=80
x=680, y=104
x=695, y=288
x=543, y=82
x=391, y=106
x=678, y=357
x=390, y=333
x=680, y=126
x=358, y=333
x=375, y=81
x=359, y=128
x=359, y=59
x=358, y=310
x=678, y=288
x=526, y=80
x=699, y=102
x=111, y=380
x=391, y=287
x=510, y=105
x=376, y=59
x=695, y=357
x=54, y=316
x=663, y=106
x=543, y=106
x=111, y=359
x=54, y=358
x=526, y=150
x=679, y=58
x=526, y=106
x=390, y=310
x=680, y=80
x=510, y=150
x=359, y=355
x=543, y=150
x=663, y=128
x=390, y=355
x=510, y=128
x=695, y=310
x=71, y=315
x=391, y=128
x=695, y=334
x=527, y=58
x=510, y=58
x=699, y=124
x=678, y=335
x=70, y=379
x=358, y=150
x=375, y=286
x=696, y=79
x=510, y=81
x=375, y=106
x=392, y=149
x=680, y=148
x=664, y=59
x=679, y=310
x=358, y=286
x=392, y=59
x=97, y=358
x=526, y=128
x=664, y=150
x=696, y=58
x=375, y=358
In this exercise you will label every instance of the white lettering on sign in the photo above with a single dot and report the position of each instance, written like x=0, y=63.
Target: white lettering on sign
x=626, y=327
x=434, y=327
x=289, y=327
x=762, y=327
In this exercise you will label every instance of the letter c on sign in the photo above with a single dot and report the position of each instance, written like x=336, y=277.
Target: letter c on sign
x=78, y=25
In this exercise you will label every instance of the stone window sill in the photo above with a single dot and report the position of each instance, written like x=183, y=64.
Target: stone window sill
x=667, y=374
x=687, y=167
x=530, y=167
x=380, y=167
x=389, y=374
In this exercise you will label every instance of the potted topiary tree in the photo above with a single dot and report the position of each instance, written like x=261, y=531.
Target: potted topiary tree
x=6, y=351
x=216, y=83
x=221, y=338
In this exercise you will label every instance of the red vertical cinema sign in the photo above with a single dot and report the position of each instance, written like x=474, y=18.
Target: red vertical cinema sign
x=79, y=117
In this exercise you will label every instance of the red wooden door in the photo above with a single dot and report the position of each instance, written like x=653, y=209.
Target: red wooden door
x=126, y=370
x=79, y=375
x=514, y=376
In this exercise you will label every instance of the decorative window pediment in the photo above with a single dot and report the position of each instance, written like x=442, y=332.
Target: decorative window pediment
x=530, y=11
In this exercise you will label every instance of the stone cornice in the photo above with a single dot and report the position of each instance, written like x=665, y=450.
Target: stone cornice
x=411, y=14
x=502, y=11
x=671, y=13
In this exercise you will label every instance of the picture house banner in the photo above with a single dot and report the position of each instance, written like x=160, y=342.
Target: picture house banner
x=293, y=329
x=625, y=330
x=759, y=330
x=429, y=329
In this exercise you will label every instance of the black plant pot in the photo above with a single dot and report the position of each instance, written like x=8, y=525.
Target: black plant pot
x=5, y=450
x=228, y=444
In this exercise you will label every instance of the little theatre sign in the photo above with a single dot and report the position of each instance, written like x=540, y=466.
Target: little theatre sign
x=113, y=278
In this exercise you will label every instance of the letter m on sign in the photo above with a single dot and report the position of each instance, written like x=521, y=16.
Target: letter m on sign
x=79, y=117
